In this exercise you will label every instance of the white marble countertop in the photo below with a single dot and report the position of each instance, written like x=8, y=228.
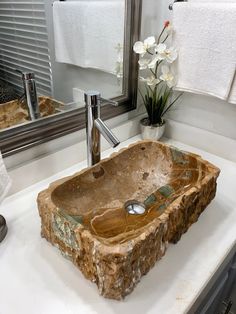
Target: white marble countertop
x=36, y=279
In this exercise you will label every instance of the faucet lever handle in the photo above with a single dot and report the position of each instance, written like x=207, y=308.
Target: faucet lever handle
x=93, y=98
x=109, y=102
x=26, y=75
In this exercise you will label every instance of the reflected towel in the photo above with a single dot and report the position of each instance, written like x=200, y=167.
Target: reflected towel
x=5, y=181
x=205, y=38
x=87, y=33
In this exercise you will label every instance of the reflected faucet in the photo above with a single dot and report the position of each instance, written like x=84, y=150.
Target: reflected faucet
x=30, y=94
x=95, y=126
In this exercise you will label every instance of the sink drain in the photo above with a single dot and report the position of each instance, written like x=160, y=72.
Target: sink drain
x=135, y=208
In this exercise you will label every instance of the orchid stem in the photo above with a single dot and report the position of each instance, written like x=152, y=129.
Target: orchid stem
x=153, y=72
x=165, y=39
x=159, y=38
x=149, y=52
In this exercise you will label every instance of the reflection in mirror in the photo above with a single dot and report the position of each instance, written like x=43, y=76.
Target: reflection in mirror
x=86, y=41
x=66, y=48
x=16, y=112
x=89, y=39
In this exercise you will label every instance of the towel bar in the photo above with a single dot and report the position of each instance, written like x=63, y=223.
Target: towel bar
x=59, y=1
x=171, y=5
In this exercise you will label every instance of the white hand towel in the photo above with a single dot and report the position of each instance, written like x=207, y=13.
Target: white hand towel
x=87, y=33
x=5, y=181
x=232, y=94
x=205, y=37
x=215, y=1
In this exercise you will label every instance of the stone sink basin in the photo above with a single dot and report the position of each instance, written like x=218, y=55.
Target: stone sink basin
x=114, y=220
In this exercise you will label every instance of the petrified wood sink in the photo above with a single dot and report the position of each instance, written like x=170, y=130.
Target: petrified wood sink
x=86, y=215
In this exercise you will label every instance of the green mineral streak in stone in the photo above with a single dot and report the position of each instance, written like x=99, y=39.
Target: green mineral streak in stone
x=162, y=207
x=75, y=220
x=151, y=199
x=57, y=231
x=78, y=219
x=166, y=190
x=64, y=231
x=178, y=156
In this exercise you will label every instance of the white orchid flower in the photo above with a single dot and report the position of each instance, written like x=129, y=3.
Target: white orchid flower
x=160, y=49
x=142, y=47
x=119, y=48
x=153, y=63
x=167, y=76
x=143, y=63
x=164, y=53
x=171, y=54
x=119, y=69
x=151, y=80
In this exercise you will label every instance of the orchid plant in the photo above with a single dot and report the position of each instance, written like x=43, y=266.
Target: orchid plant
x=156, y=57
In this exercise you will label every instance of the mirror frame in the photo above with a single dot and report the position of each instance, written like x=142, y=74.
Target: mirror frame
x=25, y=136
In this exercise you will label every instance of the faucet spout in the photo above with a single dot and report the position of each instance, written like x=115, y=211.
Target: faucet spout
x=30, y=94
x=106, y=132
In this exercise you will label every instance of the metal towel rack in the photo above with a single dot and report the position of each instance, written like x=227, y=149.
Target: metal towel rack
x=171, y=5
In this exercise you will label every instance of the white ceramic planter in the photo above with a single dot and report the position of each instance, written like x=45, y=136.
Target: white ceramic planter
x=151, y=132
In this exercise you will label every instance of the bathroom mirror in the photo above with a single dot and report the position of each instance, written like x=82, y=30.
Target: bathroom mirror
x=27, y=43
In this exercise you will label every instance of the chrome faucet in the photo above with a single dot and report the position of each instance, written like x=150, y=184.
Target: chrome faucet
x=30, y=94
x=95, y=126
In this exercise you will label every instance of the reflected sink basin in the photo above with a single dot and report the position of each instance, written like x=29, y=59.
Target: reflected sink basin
x=15, y=112
x=87, y=215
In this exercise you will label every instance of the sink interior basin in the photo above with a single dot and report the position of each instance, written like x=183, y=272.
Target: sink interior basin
x=15, y=112
x=144, y=174
x=147, y=191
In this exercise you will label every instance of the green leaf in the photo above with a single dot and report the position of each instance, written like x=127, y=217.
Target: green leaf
x=168, y=108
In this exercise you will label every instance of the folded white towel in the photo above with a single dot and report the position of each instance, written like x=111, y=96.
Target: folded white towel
x=205, y=37
x=215, y=1
x=232, y=94
x=87, y=33
x=5, y=181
